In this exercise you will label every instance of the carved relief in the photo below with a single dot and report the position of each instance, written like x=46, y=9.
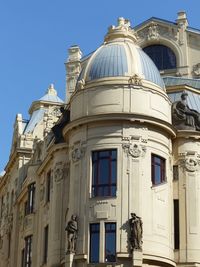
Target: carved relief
x=77, y=153
x=196, y=70
x=135, y=79
x=190, y=162
x=153, y=33
x=81, y=84
x=58, y=173
x=135, y=150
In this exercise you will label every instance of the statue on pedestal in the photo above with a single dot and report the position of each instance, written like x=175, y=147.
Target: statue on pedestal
x=72, y=229
x=183, y=117
x=136, y=232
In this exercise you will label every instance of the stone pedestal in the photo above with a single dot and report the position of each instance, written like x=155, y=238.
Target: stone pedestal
x=137, y=258
x=69, y=259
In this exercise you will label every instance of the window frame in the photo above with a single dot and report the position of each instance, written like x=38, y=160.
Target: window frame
x=28, y=251
x=96, y=187
x=158, y=56
x=162, y=168
x=48, y=186
x=46, y=241
x=30, y=203
x=91, y=245
x=107, y=232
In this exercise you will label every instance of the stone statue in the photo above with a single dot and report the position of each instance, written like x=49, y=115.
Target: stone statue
x=136, y=231
x=72, y=228
x=183, y=117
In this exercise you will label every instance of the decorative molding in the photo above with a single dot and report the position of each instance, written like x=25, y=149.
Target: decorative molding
x=190, y=162
x=77, y=153
x=135, y=150
x=153, y=32
x=196, y=70
x=135, y=80
x=59, y=172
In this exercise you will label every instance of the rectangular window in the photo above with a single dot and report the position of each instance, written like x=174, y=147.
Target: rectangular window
x=46, y=234
x=94, y=242
x=110, y=242
x=176, y=224
x=104, y=172
x=30, y=203
x=28, y=251
x=157, y=170
x=175, y=172
x=23, y=258
x=48, y=186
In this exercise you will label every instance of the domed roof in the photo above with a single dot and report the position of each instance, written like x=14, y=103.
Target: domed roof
x=51, y=95
x=120, y=56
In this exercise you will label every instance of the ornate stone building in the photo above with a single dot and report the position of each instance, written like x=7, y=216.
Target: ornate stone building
x=111, y=176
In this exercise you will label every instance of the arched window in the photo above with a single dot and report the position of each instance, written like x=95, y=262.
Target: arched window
x=163, y=57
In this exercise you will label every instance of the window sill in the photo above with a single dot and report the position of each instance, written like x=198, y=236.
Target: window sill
x=154, y=186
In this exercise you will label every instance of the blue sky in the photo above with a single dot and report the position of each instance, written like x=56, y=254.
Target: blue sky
x=35, y=36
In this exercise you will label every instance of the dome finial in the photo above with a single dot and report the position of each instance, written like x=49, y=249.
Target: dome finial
x=122, y=30
x=51, y=90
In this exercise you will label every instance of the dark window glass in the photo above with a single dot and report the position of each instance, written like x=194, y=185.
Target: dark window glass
x=94, y=242
x=157, y=170
x=175, y=172
x=28, y=251
x=176, y=224
x=30, y=203
x=46, y=234
x=104, y=173
x=162, y=56
x=110, y=242
x=9, y=244
x=23, y=258
x=48, y=186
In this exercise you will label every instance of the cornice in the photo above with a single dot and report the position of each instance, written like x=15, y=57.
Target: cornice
x=177, y=88
x=51, y=151
x=119, y=117
x=17, y=153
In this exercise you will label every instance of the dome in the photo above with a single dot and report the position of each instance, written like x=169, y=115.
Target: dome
x=51, y=95
x=120, y=56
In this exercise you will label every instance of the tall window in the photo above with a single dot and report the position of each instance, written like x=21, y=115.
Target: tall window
x=176, y=224
x=110, y=242
x=104, y=172
x=30, y=203
x=28, y=251
x=94, y=242
x=46, y=234
x=162, y=56
x=175, y=172
x=158, y=175
x=48, y=186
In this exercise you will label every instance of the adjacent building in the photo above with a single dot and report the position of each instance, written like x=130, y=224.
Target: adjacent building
x=111, y=176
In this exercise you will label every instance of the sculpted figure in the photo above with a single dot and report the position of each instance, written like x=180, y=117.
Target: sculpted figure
x=136, y=231
x=183, y=117
x=72, y=228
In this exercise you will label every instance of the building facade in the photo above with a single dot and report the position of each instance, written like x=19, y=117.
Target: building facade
x=111, y=176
